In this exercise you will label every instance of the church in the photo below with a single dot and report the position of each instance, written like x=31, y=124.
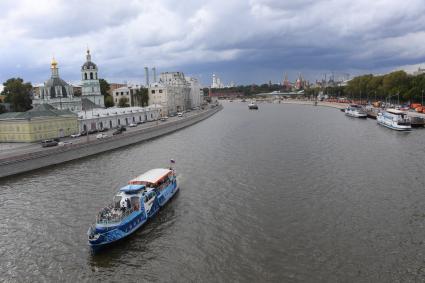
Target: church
x=57, y=92
x=60, y=94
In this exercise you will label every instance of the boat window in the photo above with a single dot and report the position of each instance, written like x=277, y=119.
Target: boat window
x=117, y=201
x=134, y=201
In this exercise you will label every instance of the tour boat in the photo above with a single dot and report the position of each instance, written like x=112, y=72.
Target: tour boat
x=132, y=206
x=253, y=105
x=356, y=111
x=394, y=119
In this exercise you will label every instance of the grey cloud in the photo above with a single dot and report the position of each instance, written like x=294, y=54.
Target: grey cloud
x=234, y=37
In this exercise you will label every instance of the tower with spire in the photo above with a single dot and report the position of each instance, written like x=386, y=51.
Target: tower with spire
x=90, y=82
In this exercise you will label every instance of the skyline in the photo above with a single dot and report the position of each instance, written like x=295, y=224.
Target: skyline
x=242, y=41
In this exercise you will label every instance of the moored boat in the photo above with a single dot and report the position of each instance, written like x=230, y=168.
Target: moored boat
x=132, y=206
x=395, y=120
x=253, y=106
x=356, y=111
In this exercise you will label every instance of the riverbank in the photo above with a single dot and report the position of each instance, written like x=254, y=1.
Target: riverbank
x=42, y=157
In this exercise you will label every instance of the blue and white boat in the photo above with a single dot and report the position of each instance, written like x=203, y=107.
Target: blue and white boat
x=132, y=206
x=394, y=119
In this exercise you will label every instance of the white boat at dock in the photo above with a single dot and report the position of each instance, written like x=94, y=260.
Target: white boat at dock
x=356, y=111
x=395, y=120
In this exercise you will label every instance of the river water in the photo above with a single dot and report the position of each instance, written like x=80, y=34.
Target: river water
x=288, y=193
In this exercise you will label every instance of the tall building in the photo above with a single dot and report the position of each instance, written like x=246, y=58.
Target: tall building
x=216, y=82
x=195, y=92
x=171, y=93
x=57, y=92
x=90, y=82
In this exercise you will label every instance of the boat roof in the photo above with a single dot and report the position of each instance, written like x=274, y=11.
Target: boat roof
x=152, y=176
x=132, y=189
x=395, y=111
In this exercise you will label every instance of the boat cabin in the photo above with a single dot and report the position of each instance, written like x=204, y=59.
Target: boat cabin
x=155, y=178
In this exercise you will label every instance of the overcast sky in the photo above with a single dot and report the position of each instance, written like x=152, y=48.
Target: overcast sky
x=245, y=41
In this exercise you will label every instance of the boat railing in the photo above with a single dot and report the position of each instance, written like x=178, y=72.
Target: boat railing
x=111, y=214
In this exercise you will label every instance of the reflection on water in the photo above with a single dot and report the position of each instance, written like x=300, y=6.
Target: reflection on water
x=286, y=193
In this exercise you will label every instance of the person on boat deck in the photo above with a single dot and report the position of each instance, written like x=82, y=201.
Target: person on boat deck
x=123, y=204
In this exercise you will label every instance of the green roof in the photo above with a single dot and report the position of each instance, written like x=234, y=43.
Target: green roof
x=42, y=110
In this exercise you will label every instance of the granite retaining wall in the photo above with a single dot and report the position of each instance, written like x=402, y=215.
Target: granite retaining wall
x=32, y=161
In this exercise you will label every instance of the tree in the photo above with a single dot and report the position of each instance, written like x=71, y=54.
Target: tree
x=104, y=87
x=109, y=101
x=144, y=96
x=104, y=90
x=123, y=102
x=18, y=94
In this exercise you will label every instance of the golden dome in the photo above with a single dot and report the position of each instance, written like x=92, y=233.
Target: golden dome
x=54, y=63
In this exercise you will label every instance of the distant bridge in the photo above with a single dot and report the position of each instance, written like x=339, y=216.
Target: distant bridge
x=291, y=93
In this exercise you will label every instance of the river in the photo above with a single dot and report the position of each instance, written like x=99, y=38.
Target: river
x=289, y=193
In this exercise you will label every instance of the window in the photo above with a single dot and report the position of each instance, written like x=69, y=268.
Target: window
x=91, y=75
x=85, y=75
x=160, y=91
x=153, y=91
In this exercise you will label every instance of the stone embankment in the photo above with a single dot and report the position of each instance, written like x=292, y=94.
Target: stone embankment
x=51, y=156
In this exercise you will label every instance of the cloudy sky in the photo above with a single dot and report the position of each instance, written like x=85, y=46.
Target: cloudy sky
x=245, y=41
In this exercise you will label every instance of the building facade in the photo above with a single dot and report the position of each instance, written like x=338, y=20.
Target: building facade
x=42, y=122
x=113, y=117
x=90, y=88
x=196, y=92
x=57, y=92
x=171, y=93
x=128, y=92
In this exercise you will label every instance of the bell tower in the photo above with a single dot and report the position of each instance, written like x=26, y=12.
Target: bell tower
x=90, y=82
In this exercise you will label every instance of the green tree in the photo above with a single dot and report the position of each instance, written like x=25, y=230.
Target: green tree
x=104, y=90
x=396, y=82
x=123, y=102
x=109, y=101
x=18, y=94
x=104, y=87
x=144, y=96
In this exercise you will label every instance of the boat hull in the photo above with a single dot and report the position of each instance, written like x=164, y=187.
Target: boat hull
x=396, y=128
x=120, y=231
x=361, y=116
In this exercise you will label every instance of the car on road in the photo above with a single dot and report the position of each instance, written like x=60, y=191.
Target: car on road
x=48, y=143
x=165, y=118
x=103, y=130
x=140, y=122
x=101, y=136
x=64, y=143
x=76, y=135
x=180, y=114
x=83, y=133
x=132, y=125
x=92, y=131
x=117, y=132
